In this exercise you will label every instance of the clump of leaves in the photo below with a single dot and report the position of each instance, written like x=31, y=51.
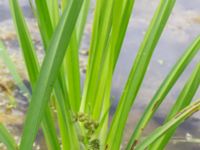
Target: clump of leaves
x=57, y=79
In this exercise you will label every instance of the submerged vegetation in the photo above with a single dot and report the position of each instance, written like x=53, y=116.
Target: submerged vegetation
x=72, y=119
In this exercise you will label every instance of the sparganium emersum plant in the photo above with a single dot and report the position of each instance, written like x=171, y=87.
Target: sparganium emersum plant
x=80, y=121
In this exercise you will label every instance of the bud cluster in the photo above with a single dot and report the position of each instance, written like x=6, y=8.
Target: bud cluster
x=90, y=126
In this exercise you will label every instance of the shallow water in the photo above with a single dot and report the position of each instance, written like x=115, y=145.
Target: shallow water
x=182, y=28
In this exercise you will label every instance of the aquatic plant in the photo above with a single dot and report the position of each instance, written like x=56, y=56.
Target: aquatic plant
x=83, y=116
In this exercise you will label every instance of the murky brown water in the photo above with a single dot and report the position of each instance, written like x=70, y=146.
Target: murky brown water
x=182, y=28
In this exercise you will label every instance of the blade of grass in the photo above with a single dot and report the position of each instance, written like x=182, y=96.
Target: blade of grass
x=103, y=85
x=137, y=73
x=49, y=130
x=104, y=71
x=71, y=61
x=21, y=85
x=47, y=28
x=121, y=28
x=119, y=25
x=32, y=66
x=44, y=21
x=175, y=121
x=49, y=71
x=72, y=69
x=25, y=41
x=165, y=87
x=53, y=6
x=11, y=66
x=67, y=130
x=105, y=107
x=7, y=138
x=68, y=135
x=96, y=28
x=64, y=117
x=82, y=21
x=63, y=4
x=97, y=52
x=182, y=101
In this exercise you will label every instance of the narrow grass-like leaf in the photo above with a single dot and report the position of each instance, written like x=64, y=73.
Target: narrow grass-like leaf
x=11, y=66
x=73, y=74
x=71, y=62
x=164, y=89
x=53, y=6
x=32, y=66
x=121, y=28
x=175, y=121
x=63, y=4
x=44, y=21
x=49, y=71
x=7, y=138
x=67, y=130
x=47, y=28
x=68, y=135
x=71, y=69
x=137, y=73
x=104, y=75
x=96, y=28
x=82, y=21
x=119, y=25
x=182, y=101
x=25, y=41
x=97, y=52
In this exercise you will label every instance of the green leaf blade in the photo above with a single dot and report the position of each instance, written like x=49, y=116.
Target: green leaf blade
x=175, y=121
x=137, y=73
x=11, y=66
x=49, y=72
x=184, y=99
x=32, y=66
x=7, y=138
x=25, y=41
x=165, y=87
